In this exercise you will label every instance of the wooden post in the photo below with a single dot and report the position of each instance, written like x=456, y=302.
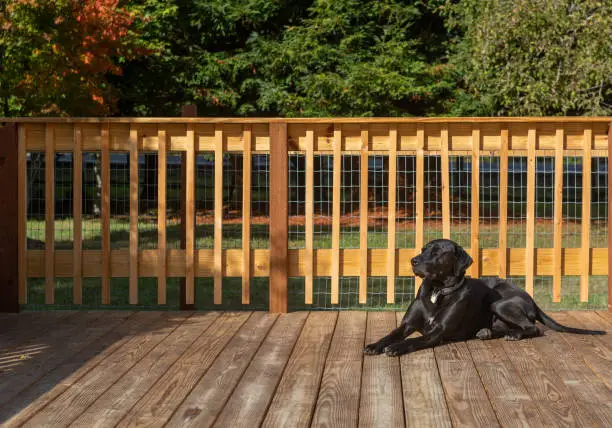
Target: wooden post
x=10, y=213
x=187, y=111
x=585, y=252
x=446, y=214
x=392, y=215
x=336, y=195
x=105, y=215
x=77, y=246
x=363, y=217
x=218, y=240
x=531, y=213
x=609, y=220
x=49, y=214
x=309, y=277
x=475, y=226
x=22, y=213
x=420, y=192
x=279, y=227
x=246, y=214
x=161, y=216
x=190, y=176
x=133, y=278
x=503, y=202
x=558, y=216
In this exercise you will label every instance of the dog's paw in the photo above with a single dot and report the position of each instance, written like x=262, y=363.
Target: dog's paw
x=512, y=337
x=373, y=349
x=394, y=350
x=484, y=334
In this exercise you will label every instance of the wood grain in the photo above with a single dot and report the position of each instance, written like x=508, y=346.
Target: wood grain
x=204, y=403
x=249, y=402
x=466, y=398
x=424, y=401
x=157, y=406
x=296, y=395
x=381, y=385
x=115, y=402
x=338, y=401
x=190, y=195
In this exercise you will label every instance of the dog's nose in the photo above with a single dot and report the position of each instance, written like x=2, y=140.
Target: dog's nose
x=414, y=261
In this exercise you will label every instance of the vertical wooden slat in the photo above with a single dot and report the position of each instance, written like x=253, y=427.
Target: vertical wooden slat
x=420, y=191
x=49, y=213
x=503, y=202
x=279, y=210
x=309, y=277
x=22, y=213
x=609, y=220
x=531, y=183
x=391, y=221
x=363, y=217
x=475, y=268
x=446, y=229
x=77, y=179
x=218, y=243
x=105, y=214
x=133, y=275
x=190, y=174
x=558, y=215
x=336, y=194
x=162, y=163
x=246, y=216
x=585, y=252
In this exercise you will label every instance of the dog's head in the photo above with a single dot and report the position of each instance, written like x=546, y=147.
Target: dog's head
x=441, y=260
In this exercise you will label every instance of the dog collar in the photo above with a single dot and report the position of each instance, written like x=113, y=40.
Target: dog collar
x=445, y=291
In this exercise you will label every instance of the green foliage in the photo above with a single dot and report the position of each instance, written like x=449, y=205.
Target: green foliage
x=532, y=57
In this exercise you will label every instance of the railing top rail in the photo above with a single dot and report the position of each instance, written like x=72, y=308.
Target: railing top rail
x=339, y=120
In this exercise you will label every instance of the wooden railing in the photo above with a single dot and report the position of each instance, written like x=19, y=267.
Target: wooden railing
x=392, y=138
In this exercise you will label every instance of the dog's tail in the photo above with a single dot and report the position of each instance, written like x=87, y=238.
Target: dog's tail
x=551, y=323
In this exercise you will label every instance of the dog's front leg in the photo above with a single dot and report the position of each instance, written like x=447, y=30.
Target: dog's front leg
x=414, y=344
x=404, y=330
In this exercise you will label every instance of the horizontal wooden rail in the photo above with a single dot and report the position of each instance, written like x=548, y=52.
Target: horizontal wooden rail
x=350, y=262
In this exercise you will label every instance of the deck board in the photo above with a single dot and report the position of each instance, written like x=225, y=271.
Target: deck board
x=246, y=369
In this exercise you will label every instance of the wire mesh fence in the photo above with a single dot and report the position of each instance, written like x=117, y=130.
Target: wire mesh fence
x=405, y=212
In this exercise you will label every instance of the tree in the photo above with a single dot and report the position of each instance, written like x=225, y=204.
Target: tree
x=531, y=57
x=56, y=55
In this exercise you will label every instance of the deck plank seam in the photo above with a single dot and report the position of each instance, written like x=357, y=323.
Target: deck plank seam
x=297, y=339
x=484, y=385
x=189, y=315
x=331, y=338
x=365, y=331
x=401, y=379
x=81, y=377
x=137, y=404
x=246, y=368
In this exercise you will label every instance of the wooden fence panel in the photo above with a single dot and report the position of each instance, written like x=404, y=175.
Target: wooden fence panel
x=335, y=137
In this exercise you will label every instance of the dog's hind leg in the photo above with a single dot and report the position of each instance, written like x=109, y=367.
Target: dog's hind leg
x=519, y=324
x=499, y=329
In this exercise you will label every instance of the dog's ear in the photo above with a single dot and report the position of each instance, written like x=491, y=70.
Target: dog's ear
x=462, y=261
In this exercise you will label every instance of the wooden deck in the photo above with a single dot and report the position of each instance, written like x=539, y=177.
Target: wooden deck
x=249, y=369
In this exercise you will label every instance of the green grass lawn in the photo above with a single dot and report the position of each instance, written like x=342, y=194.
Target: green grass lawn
x=232, y=238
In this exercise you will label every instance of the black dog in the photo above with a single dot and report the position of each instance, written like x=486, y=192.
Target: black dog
x=450, y=307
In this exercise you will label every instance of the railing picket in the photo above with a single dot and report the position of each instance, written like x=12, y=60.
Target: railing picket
x=133, y=278
x=77, y=246
x=585, y=253
x=446, y=229
x=392, y=214
x=309, y=275
x=531, y=182
x=475, y=220
x=105, y=215
x=363, y=217
x=162, y=268
x=49, y=213
x=558, y=215
x=190, y=174
x=420, y=194
x=246, y=215
x=503, y=202
x=336, y=195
